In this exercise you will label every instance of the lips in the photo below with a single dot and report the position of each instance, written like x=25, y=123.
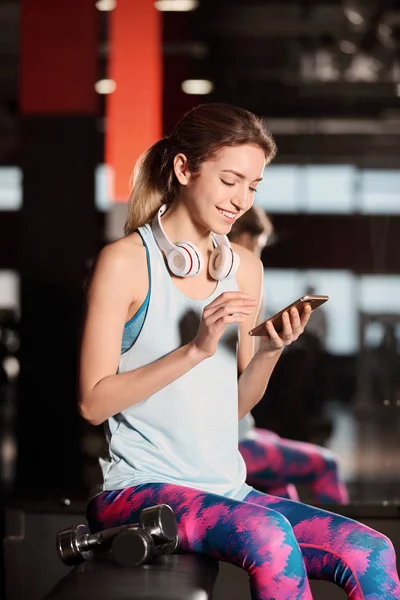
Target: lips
x=228, y=216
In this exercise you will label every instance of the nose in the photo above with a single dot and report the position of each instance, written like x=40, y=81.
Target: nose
x=242, y=199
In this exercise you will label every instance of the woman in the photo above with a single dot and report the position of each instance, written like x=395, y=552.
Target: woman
x=157, y=368
x=275, y=464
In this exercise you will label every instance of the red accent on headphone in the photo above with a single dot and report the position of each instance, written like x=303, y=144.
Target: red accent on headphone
x=190, y=257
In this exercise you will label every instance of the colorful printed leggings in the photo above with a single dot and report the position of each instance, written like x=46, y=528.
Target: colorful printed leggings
x=274, y=464
x=279, y=542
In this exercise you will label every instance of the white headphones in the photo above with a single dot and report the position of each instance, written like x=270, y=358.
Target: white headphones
x=185, y=260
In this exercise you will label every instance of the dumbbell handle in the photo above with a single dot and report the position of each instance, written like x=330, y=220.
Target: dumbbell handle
x=90, y=540
x=77, y=543
x=158, y=520
x=168, y=548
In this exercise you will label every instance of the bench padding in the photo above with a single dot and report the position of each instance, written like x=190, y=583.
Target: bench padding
x=176, y=577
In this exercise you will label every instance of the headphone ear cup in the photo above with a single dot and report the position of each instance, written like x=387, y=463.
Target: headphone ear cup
x=224, y=263
x=178, y=262
x=195, y=257
x=185, y=260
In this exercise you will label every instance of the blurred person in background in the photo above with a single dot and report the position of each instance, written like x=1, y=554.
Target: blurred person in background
x=157, y=370
x=384, y=367
x=274, y=465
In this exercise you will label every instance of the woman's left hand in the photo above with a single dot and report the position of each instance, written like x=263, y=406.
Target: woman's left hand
x=293, y=327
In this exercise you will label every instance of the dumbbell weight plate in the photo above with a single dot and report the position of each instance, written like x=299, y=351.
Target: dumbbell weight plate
x=160, y=521
x=67, y=546
x=132, y=548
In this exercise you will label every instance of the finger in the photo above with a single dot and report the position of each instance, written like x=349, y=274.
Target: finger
x=242, y=302
x=228, y=310
x=272, y=333
x=228, y=297
x=226, y=319
x=287, y=331
x=305, y=315
x=231, y=308
x=295, y=319
x=232, y=319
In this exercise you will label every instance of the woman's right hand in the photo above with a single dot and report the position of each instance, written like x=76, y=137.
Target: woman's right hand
x=227, y=308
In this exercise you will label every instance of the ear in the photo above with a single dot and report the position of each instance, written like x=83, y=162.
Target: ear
x=181, y=169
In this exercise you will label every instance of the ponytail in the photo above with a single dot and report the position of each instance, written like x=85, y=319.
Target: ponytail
x=198, y=135
x=152, y=184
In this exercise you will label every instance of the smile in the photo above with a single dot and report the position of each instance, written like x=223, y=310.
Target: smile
x=230, y=217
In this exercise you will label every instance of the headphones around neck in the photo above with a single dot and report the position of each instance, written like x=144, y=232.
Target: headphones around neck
x=185, y=260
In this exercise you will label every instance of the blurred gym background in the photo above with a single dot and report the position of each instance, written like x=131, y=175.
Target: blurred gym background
x=85, y=87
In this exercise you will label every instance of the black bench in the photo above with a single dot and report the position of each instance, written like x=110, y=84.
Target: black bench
x=32, y=569
x=176, y=577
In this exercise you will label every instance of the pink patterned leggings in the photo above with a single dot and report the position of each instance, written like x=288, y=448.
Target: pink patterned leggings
x=279, y=542
x=275, y=464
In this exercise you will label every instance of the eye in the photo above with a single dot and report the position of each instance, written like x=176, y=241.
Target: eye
x=253, y=190
x=228, y=183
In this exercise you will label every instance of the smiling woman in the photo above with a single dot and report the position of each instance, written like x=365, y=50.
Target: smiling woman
x=215, y=186
x=157, y=366
x=198, y=137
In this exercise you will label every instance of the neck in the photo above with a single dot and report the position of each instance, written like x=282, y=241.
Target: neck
x=179, y=226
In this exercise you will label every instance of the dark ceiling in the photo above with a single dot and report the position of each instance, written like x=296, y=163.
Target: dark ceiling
x=313, y=68
x=297, y=58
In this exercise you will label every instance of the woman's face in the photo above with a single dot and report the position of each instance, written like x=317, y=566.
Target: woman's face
x=224, y=188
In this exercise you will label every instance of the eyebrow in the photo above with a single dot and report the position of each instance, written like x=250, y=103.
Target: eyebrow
x=240, y=175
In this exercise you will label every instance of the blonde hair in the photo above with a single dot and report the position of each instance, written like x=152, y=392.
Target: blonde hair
x=198, y=135
x=254, y=221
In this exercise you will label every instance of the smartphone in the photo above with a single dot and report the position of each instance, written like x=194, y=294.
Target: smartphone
x=313, y=301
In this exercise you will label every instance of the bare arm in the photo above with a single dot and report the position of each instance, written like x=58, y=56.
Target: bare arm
x=255, y=367
x=103, y=392
x=254, y=380
x=114, y=393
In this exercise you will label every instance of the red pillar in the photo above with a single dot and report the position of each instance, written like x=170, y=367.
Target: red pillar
x=58, y=57
x=134, y=110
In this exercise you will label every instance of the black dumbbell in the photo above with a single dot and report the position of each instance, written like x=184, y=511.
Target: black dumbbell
x=158, y=523
x=157, y=535
x=135, y=547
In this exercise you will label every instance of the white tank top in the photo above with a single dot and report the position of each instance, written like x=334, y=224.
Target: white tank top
x=246, y=427
x=187, y=433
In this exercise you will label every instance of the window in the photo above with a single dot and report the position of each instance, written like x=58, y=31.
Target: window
x=380, y=192
x=10, y=188
x=9, y=290
x=102, y=185
x=379, y=293
x=329, y=189
x=279, y=190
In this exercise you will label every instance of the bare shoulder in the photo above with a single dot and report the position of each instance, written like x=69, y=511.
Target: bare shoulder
x=122, y=264
x=123, y=253
x=249, y=275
